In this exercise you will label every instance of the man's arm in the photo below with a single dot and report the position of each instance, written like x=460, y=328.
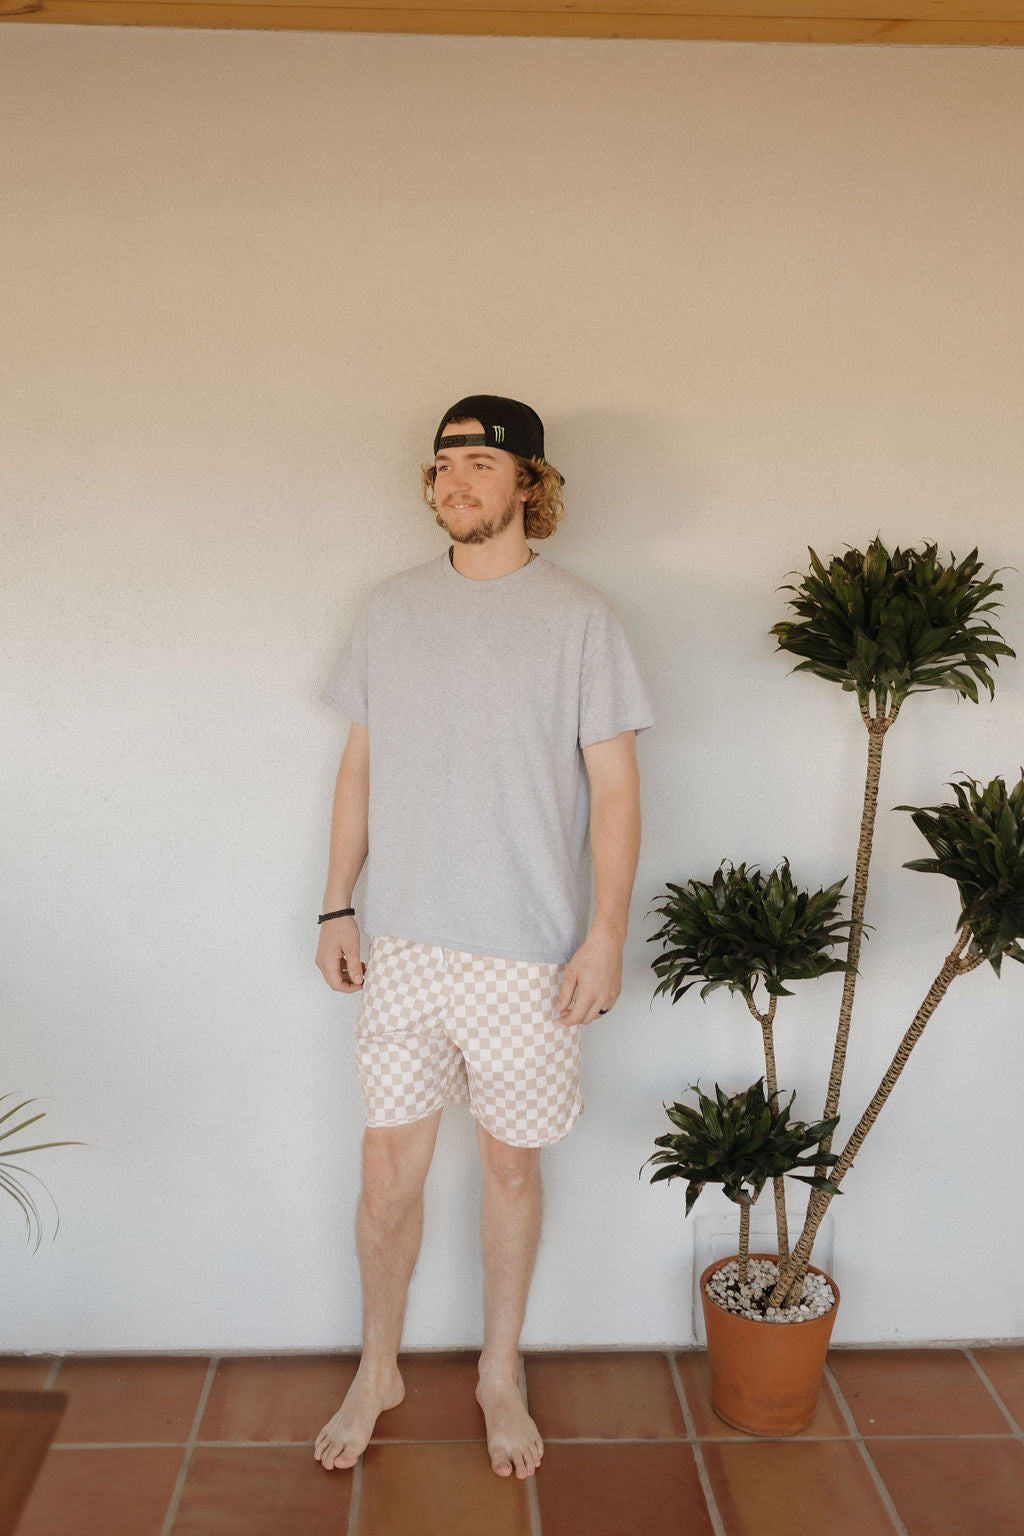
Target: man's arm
x=595, y=971
x=337, y=953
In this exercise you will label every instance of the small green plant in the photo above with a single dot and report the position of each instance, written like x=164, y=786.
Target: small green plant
x=8, y=1182
x=743, y=929
x=739, y=1141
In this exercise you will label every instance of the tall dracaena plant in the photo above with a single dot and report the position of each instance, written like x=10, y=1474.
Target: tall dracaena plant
x=743, y=929
x=885, y=626
x=979, y=843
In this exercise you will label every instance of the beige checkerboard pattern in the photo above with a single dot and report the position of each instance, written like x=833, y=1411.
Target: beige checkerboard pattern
x=442, y=1026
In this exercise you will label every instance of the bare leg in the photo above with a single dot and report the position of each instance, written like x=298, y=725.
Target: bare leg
x=389, y=1225
x=510, y=1228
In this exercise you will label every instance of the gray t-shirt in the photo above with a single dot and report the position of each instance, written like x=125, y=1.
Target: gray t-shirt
x=478, y=697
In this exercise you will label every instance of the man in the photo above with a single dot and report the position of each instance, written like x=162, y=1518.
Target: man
x=494, y=704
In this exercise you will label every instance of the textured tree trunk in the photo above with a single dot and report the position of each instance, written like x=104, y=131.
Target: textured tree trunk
x=744, y=1240
x=766, y=1021
x=955, y=964
x=877, y=725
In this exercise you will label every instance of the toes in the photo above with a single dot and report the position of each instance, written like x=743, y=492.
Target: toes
x=341, y=1459
x=330, y=1456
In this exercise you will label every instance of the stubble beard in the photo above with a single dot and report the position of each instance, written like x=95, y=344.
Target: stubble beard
x=486, y=528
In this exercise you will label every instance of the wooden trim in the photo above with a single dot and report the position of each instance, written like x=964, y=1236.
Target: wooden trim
x=547, y=22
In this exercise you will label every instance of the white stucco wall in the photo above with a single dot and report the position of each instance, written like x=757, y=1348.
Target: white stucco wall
x=763, y=296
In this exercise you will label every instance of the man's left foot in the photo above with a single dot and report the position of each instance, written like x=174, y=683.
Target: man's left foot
x=513, y=1439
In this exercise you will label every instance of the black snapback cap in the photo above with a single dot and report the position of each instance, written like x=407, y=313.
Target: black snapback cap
x=507, y=424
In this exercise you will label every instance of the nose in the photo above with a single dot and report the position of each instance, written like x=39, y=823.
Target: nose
x=457, y=485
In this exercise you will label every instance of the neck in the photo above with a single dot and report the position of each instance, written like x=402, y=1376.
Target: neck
x=496, y=557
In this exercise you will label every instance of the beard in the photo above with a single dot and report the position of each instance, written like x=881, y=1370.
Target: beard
x=486, y=528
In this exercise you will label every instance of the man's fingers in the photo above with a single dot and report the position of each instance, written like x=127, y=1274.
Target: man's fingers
x=341, y=969
x=566, y=991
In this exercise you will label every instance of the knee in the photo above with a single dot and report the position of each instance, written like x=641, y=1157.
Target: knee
x=512, y=1168
x=393, y=1176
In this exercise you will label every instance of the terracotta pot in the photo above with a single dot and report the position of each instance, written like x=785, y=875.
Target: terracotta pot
x=765, y=1376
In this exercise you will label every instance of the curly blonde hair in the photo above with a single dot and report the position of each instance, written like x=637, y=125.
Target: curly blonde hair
x=543, y=509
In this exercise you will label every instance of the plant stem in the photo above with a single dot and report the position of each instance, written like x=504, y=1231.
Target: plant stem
x=744, y=1240
x=766, y=1021
x=877, y=724
x=956, y=964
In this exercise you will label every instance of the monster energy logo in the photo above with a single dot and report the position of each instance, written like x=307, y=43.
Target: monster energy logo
x=499, y=434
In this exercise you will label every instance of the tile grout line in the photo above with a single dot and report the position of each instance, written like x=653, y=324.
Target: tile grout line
x=717, y=1523
x=532, y=1500
x=1007, y=1415
x=190, y=1445
x=739, y=1439
x=355, y=1499
x=866, y=1457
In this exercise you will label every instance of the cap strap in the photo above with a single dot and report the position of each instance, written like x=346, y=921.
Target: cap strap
x=462, y=440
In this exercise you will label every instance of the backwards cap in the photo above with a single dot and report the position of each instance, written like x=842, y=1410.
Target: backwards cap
x=507, y=424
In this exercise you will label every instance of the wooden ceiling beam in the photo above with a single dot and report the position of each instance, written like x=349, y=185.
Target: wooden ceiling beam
x=988, y=23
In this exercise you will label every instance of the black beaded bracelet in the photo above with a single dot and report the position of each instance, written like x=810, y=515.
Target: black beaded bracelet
x=348, y=912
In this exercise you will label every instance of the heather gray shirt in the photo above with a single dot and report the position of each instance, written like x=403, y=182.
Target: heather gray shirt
x=478, y=697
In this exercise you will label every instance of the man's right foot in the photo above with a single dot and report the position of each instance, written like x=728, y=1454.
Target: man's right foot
x=345, y=1437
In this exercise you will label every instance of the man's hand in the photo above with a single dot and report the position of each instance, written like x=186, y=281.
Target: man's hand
x=337, y=955
x=594, y=974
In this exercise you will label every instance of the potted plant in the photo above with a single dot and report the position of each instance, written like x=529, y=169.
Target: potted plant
x=883, y=626
x=743, y=930
x=760, y=1381
x=8, y=1182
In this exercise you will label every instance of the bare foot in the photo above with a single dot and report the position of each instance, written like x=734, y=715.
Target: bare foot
x=345, y=1437
x=513, y=1439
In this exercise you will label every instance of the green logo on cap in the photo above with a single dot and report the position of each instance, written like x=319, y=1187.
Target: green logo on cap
x=499, y=434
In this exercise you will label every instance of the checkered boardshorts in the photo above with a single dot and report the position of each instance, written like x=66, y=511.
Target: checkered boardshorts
x=442, y=1026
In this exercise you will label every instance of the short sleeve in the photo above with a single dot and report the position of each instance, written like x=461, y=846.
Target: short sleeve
x=612, y=694
x=347, y=687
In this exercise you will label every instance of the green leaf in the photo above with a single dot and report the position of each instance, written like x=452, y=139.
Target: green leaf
x=816, y=1183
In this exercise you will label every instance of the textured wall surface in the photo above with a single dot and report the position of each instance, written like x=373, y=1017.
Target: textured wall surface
x=763, y=296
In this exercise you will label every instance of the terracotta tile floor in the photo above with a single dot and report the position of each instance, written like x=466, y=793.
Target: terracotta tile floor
x=918, y=1442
